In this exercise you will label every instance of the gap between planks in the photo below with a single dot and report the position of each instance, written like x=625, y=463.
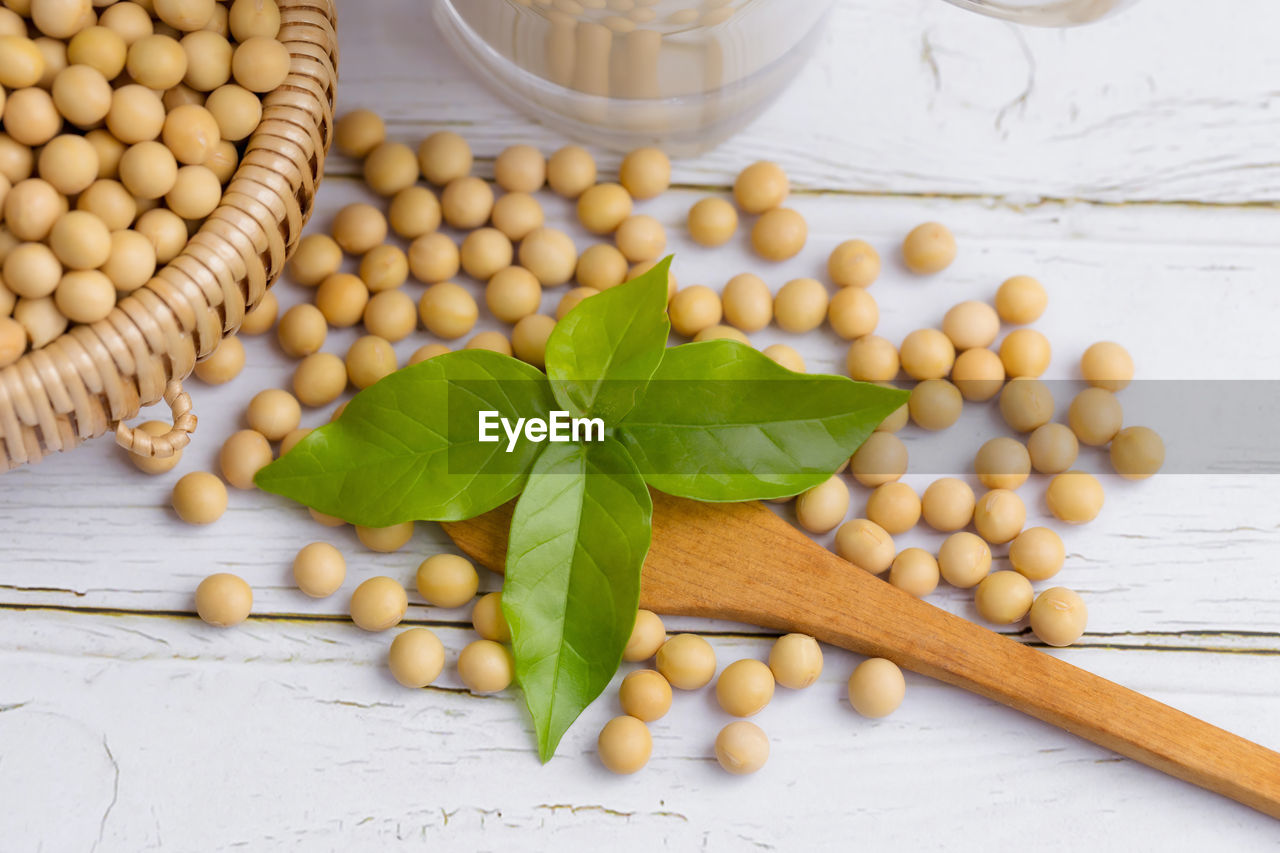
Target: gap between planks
x=1263, y=643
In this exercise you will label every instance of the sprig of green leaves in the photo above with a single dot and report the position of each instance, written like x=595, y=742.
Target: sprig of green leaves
x=714, y=421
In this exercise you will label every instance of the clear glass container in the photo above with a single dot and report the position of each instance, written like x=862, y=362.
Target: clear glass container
x=1045, y=13
x=682, y=75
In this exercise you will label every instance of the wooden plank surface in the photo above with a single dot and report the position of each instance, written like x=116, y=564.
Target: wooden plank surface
x=291, y=735
x=1171, y=99
x=288, y=733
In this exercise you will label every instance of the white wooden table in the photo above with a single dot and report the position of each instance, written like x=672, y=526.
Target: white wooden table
x=1132, y=166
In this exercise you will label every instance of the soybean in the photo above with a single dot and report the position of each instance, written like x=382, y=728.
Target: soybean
x=488, y=620
x=647, y=636
x=570, y=171
x=742, y=747
x=1002, y=463
x=415, y=211
x=853, y=313
x=199, y=498
x=603, y=207
x=645, y=695
x=853, y=263
x=512, y=294
x=865, y=544
x=745, y=687
x=935, y=404
x=223, y=600
x=385, y=540
x=447, y=580
x=947, y=504
x=970, y=325
x=1025, y=352
x=927, y=354
x=520, y=168
x=687, y=661
x=355, y=133
x=779, y=234
x=872, y=359
x=964, y=559
x=1003, y=597
x=929, y=248
x=823, y=507
x=1059, y=616
x=876, y=688
x=1074, y=496
x=800, y=306
x=341, y=298
x=1107, y=365
x=978, y=373
x=416, y=657
x=319, y=569
x=712, y=222
x=882, y=458
x=378, y=604
x=761, y=187
x=915, y=571
x=1137, y=452
x=466, y=202
x=998, y=516
x=242, y=456
x=624, y=745
x=515, y=215
x=444, y=157
x=1026, y=404
x=694, y=309
x=894, y=506
x=1095, y=416
x=1020, y=300
x=795, y=660
x=1037, y=553
x=645, y=173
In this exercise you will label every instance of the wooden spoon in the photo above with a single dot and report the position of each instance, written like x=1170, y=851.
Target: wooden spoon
x=743, y=563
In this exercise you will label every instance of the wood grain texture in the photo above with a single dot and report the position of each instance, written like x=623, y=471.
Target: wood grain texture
x=289, y=734
x=1177, y=573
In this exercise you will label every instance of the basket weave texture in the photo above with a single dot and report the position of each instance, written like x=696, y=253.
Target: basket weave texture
x=94, y=377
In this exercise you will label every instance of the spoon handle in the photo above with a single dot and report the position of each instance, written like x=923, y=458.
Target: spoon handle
x=796, y=585
x=970, y=656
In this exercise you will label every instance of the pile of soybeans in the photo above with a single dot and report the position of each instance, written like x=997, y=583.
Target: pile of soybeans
x=122, y=124
x=514, y=256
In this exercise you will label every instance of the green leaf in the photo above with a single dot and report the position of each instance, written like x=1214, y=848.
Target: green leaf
x=408, y=447
x=601, y=355
x=722, y=422
x=579, y=536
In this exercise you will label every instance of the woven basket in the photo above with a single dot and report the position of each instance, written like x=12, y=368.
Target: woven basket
x=94, y=377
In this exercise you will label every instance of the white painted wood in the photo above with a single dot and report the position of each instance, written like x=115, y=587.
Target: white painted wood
x=1104, y=267
x=1173, y=99
x=288, y=733
x=150, y=732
